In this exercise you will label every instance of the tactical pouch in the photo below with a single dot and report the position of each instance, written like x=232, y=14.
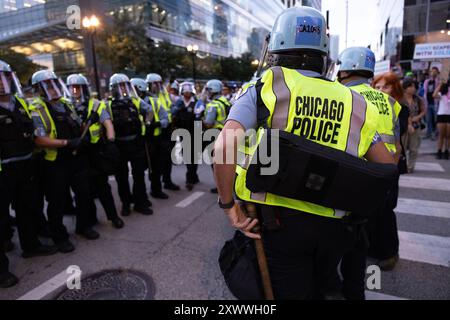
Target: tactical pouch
x=322, y=175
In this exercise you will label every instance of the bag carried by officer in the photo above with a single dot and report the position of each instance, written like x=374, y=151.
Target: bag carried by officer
x=239, y=266
x=328, y=177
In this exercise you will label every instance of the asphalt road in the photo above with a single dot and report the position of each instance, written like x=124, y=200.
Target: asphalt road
x=179, y=245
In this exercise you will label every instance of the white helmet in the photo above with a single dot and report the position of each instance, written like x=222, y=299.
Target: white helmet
x=153, y=77
x=78, y=86
x=139, y=84
x=9, y=84
x=187, y=87
x=48, y=85
x=121, y=87
x=214, y=86
x=357, y=59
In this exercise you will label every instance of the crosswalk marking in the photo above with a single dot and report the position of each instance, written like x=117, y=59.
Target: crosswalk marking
x=373, y=295
x=425, y=248
x=424, y=208
x=47, y=287
x=429, y=166
x=186, y=202
x=425, y=183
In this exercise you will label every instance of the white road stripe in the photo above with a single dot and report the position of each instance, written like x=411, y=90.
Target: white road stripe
x=425, y=248
x=186, y=202
x=424, y=208
x=424, y=183
x=373, y=295
x=429, y=166
x=47, y=287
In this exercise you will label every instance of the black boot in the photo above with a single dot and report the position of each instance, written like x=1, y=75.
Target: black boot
x=65, y=246
x=117, y=223
x=40, y=251
x=446, y=155
x=439, y=155
x=159, y=195
x=126, y=211
x=8, y=280
x=146, y=211
x=88, y=233
x=171, y=186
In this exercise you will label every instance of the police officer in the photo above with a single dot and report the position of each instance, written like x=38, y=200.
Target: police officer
x=102, y=150
x=184, y=117
x=129, y=114
x=16, y=172
x=58, y=132
x=215, y=110
x=161, y=98
x=356, y=68
x=304, y=253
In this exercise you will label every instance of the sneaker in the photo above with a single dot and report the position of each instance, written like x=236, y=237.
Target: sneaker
x=8, y=280
x=439, y=155
x=126, y=211
x=146, y=211
x=159, y=195
x=65, y=246
x=40, y=251
x=446, y=155
x=89, y=234
x=388, y=264
x=171, y=186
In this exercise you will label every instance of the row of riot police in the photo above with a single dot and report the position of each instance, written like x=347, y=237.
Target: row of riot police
x=64, y=141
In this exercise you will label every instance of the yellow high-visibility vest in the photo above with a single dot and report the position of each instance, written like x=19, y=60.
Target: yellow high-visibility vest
x=321, y=111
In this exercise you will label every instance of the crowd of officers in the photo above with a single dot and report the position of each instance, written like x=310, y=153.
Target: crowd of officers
x=62, y=142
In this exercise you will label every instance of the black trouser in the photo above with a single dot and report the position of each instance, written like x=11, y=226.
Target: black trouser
x=99, y=181
x=353, y=267
x=17, y=187
x=62, y=174
x=39, y=196
x=303, y=256
x=191, y=173
x=156, y=159
x=382, y=229
x=133, y=152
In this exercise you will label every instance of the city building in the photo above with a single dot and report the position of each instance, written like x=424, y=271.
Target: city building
x=220, y=28
x=426, y=35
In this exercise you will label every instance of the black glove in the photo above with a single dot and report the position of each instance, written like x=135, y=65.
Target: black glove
x=110, y=151
x=156, y=124
x=93, y=118
x=74, y=144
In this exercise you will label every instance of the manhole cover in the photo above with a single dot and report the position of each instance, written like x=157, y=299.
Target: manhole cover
x=113, y=285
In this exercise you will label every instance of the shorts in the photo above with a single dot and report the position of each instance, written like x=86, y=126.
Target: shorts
x=443, y=118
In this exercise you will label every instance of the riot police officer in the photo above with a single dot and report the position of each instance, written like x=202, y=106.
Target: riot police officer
x=162, y=100
x=58, y=132
x=356, y=68
x=310, y=240
x=16, y=172
x=103, y=153
x=129, y=114
x=184, y=117
x=215, y=110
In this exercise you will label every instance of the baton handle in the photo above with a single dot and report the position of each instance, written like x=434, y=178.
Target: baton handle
x=83, y=134
x=261, y=255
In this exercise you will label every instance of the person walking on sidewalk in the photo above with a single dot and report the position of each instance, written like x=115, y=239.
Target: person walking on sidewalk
x=443, y=120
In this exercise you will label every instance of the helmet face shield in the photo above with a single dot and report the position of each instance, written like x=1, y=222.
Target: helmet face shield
x=187, y=88
x=9, y=84
x=78, y=93
x=51, y=89
x=155, y=87
x=124, y=90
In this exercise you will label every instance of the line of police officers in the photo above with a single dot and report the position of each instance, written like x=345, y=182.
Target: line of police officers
x=65, y=141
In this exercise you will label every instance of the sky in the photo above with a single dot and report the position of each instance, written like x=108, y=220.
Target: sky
x=361, y=22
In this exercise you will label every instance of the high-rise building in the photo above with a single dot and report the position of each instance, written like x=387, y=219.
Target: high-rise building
x=11, y=5
x=425, y=22
x=317, y=4
x=219, y=27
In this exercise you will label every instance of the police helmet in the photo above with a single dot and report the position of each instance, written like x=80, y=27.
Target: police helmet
x=357, y=59
x=47, y=84
x=78, y=86
x=121, y=87
x=214, y=86
x=187, y=87
x=9, y=82
x=139, y=84
x=153, y=77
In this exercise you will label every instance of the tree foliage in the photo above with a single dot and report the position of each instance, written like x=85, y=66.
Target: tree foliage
x=125, y=46
x=23, y=67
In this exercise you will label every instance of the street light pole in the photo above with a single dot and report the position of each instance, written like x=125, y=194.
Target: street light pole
x=91, y=24
x=193, y=49
x=94, y=60
x=193, y=67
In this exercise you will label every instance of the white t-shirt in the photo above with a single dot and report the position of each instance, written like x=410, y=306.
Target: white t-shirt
x=444, y=105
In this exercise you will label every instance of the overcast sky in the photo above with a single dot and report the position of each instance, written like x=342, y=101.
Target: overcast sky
x=361, y=21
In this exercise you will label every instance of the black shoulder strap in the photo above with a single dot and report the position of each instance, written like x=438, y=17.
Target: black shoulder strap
x=262, y=113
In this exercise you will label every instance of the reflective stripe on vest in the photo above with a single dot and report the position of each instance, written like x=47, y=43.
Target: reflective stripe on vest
x=95, y=128
x=155, y=108
x=329, y=114
x=221, y=115
x=386, y=109
x=41, y=108
x=164, y=100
